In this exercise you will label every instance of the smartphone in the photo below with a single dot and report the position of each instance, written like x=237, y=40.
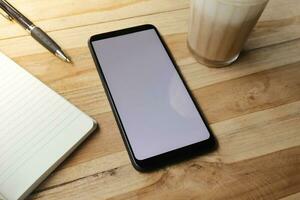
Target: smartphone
x=157, y=116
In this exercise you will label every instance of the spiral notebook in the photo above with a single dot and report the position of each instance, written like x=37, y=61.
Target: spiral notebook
x=38, y=130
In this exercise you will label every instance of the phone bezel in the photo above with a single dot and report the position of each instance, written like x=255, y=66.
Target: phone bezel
x=168, y=157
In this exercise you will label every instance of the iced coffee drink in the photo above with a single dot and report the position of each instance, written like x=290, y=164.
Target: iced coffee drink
x=218, y=29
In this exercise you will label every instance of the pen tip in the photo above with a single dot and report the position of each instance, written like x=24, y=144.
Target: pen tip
x=62, y=56
x=68, y=60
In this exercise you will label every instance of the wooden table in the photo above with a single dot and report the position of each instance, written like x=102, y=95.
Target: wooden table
x=253, y=107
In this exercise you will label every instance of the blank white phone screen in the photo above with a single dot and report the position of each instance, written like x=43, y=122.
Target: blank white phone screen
x=156, y=110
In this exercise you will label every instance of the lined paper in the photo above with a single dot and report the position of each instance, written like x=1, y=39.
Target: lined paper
x=38, y=128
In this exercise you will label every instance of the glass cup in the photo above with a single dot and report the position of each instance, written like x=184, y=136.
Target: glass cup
x=218, y=29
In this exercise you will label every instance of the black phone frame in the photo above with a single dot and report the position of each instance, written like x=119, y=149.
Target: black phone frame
x=168, y=157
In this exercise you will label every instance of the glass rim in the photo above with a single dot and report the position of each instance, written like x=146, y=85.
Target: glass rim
x=242, y=2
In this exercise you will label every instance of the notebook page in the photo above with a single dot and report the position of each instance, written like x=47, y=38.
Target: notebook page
x=38, y=128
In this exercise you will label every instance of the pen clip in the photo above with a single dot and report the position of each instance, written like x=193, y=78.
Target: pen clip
x=5, y=14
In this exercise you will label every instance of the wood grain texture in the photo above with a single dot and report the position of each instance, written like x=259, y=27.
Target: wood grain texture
x=253, y=106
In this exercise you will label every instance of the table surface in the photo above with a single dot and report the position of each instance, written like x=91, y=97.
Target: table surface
x=253, y=106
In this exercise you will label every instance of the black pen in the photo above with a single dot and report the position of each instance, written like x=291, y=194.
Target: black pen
x=37, y=33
